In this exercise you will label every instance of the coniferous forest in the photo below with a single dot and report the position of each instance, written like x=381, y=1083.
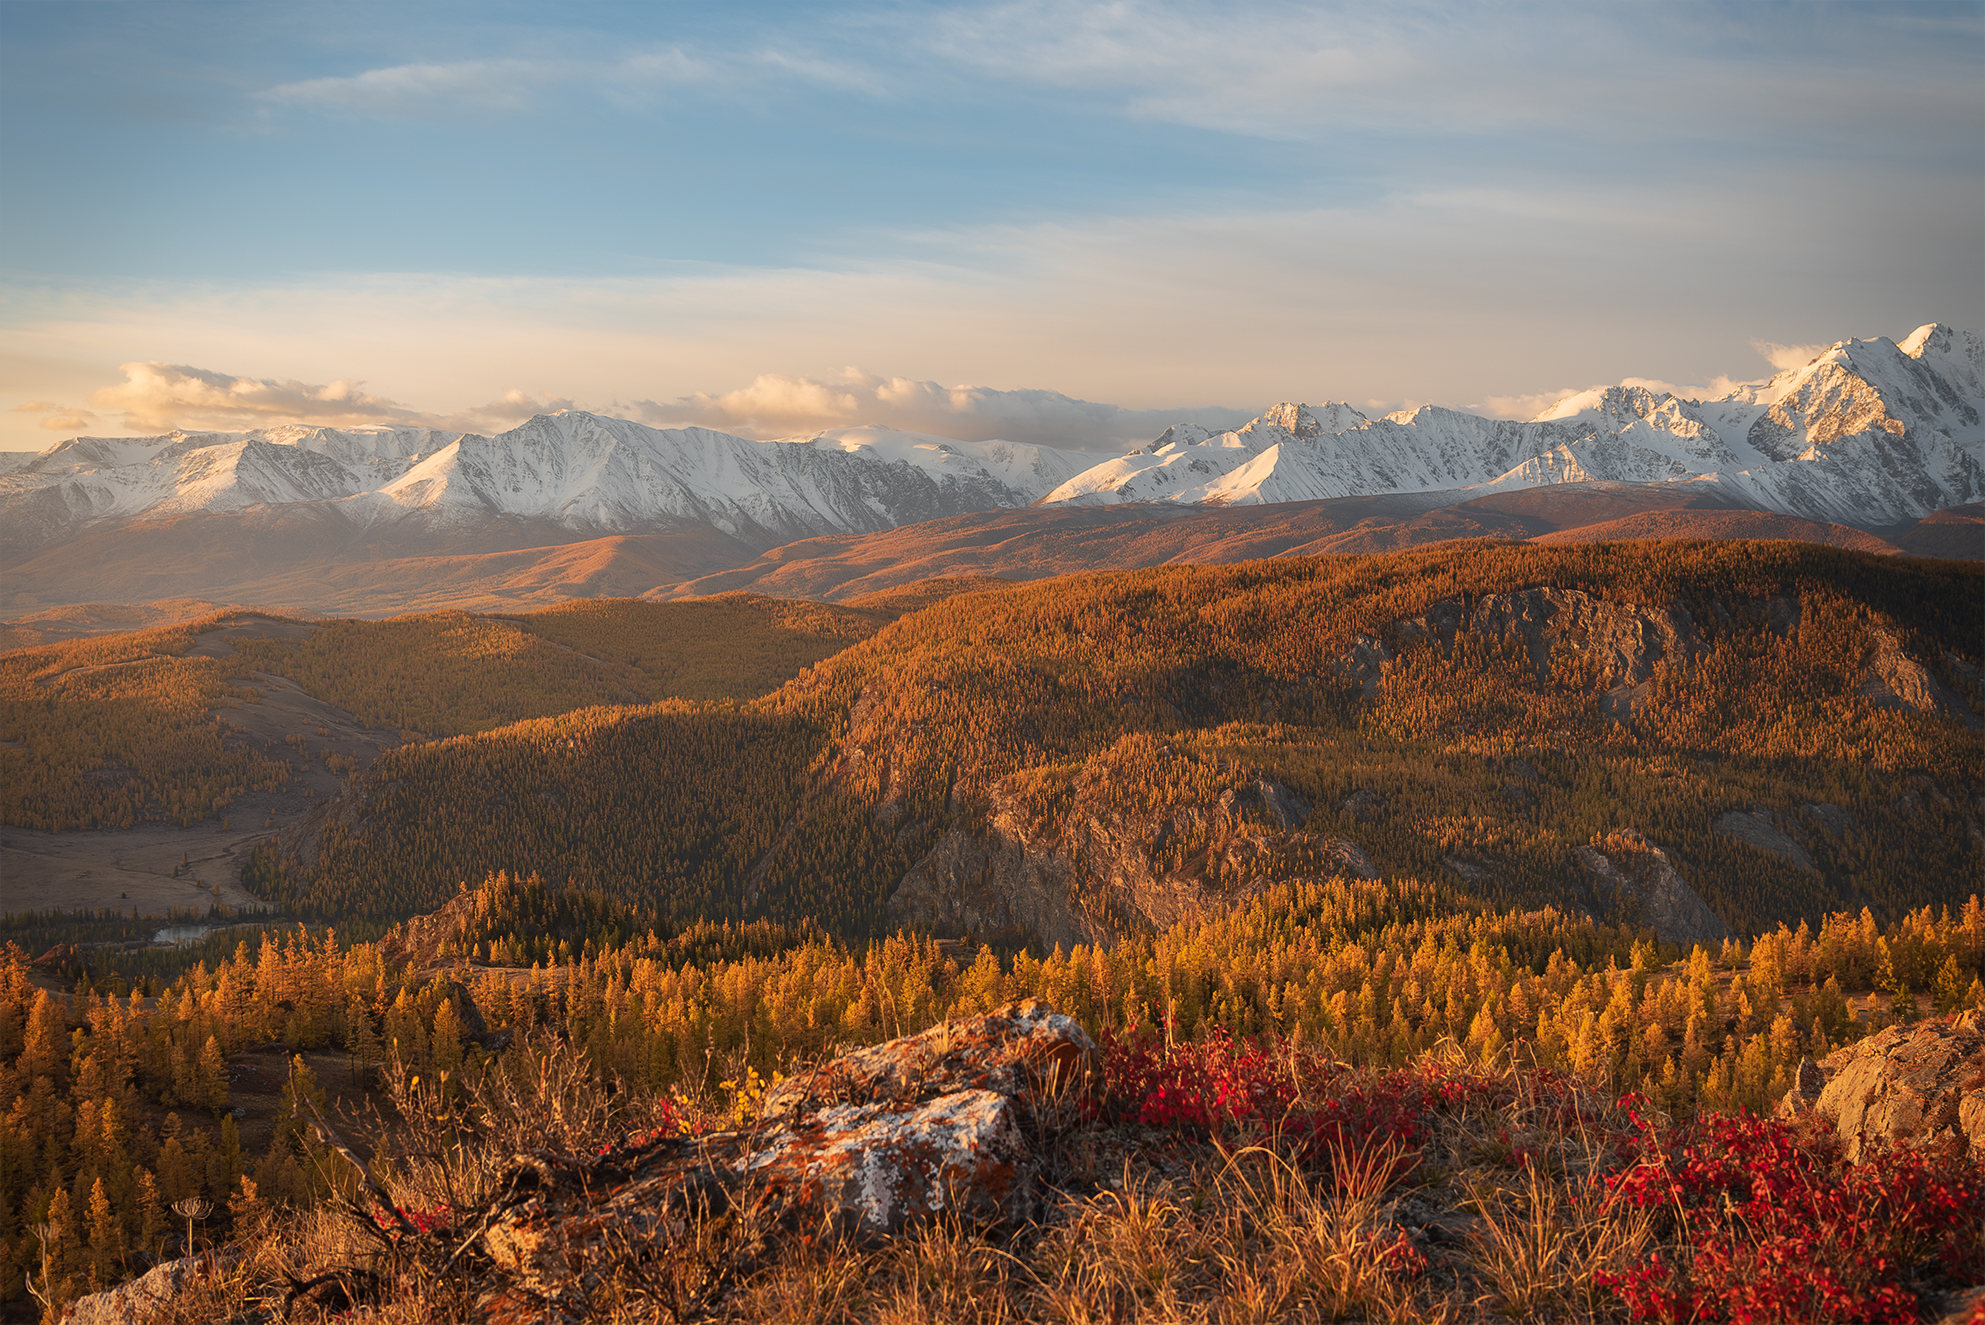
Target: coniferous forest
x=1656, y=822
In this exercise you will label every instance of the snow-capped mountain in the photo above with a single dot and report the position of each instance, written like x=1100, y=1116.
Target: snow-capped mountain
x=578, y=470
x=1868, y=433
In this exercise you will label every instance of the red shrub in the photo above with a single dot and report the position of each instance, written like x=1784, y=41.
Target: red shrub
x=1221, y=1087
x=427, y=1219
x=1773, y=1231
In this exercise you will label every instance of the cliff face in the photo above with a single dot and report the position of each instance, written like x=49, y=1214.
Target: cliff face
x=1090, y=854
x=1645, y=880
x=1578, y=638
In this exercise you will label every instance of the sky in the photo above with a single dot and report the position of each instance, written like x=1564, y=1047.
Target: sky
x=1054, y=222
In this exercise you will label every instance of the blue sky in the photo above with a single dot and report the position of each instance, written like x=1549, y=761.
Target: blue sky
x=773, y=218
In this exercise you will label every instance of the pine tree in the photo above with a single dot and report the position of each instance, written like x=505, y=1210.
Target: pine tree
x=45, y=1052
x=248, y=1211
x=106, y=1238
x=446, y=1043
x=361, y=1038
x=151, y=1214
x=210, y=1076
x=62, y=1244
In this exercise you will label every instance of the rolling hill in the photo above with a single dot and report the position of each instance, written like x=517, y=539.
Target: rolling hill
x=1702, y=736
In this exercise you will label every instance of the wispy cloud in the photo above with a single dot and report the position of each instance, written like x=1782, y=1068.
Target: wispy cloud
x=1787, y=357
x=68, y=420
x=55, y=416
x=419, y=89
x=1304, y=70
x=452, y=89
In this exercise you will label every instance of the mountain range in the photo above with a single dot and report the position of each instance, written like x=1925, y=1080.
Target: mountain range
x=1871, y=435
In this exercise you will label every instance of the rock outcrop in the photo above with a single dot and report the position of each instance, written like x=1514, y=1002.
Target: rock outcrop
x=1908, y=1085
x=1103, y=854
x=1617, y=644
x=432, y=940
x=1616, y=647
x=1896, y=680
x=148, y=1294
x=1645, y=881
x=1758, y=828
x=945, y=1121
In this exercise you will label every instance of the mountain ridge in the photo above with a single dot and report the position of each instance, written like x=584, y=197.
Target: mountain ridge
x=1872, y=435
x=1870, y=432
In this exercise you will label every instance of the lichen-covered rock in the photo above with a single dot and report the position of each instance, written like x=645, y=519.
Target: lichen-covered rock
x=148, y=1293
x=568, y=1226
x=1911, y=1084
x=878, y=1167
x=871, y=1141
x=1020, y=1051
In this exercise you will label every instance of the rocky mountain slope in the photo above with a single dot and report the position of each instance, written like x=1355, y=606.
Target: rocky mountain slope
x=1868, y=433
x=576, y=470
x=1871, y=441
x=1696, y=737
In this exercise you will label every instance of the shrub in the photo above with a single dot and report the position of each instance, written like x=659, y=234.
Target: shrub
x=1772, y=1228
x=1319, y=1109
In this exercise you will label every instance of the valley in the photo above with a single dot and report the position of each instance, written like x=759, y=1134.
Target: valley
x=593, y=784
x=1498, y=832
x=1164, y=739
x=306, y=745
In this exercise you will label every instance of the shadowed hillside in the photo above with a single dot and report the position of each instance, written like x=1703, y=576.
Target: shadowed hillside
x=1772, y=730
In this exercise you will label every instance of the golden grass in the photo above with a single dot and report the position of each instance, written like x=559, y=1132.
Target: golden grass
x=1209, y=1235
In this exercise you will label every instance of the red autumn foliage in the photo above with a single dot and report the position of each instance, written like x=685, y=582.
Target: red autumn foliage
x=1771, y=1227
x=425, y=1219
x=1762, y=1223
x=1222, y=1087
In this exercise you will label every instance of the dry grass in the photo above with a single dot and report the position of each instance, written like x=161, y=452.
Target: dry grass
x=1540, y=1247
x=1463, y=1229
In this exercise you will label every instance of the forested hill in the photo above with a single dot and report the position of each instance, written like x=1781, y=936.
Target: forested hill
x=179, y=723
x=1777, y=729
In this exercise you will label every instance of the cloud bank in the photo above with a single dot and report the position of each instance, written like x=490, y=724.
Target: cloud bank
x=158, y=397
x=776, y=405
x=161, y=397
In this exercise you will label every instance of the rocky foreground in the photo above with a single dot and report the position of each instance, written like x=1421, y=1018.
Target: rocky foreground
x=1005, y=1168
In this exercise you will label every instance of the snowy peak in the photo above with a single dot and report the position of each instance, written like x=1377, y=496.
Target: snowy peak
x=583, y=471
x=1955, y=355
x=1869, y=432
x=1031, y=471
